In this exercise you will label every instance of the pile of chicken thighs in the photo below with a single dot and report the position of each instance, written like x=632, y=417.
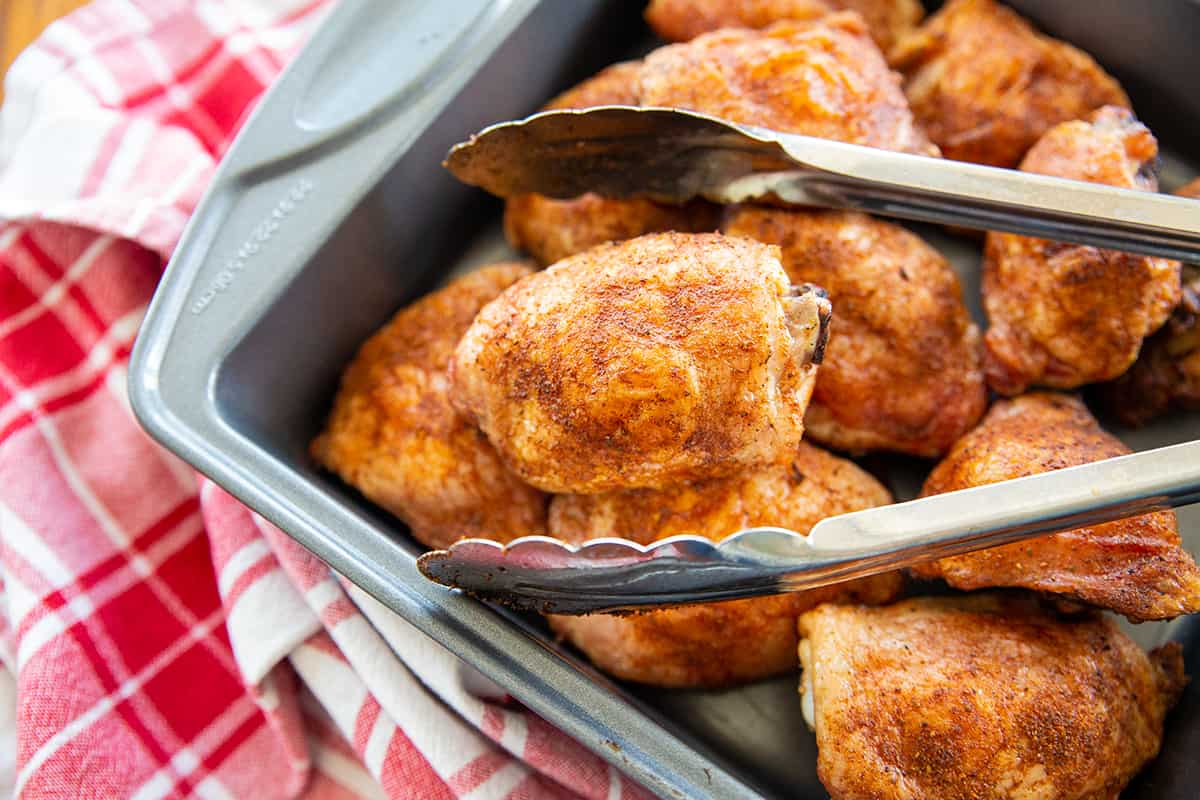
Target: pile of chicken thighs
x=657, y=370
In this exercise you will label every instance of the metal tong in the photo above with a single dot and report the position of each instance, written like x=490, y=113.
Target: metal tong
x=674, y=156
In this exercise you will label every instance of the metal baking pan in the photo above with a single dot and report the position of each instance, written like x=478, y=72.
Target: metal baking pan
x=331, y=210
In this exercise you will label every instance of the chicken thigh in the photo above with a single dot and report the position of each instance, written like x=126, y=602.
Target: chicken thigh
x=980, y=696
x=665, y=358
x=902, y=371
x=985, y=85
x=681, y=20
x=716, y=644
x=684, y=20
x=1063, y=315
x=394, y=436
x=825, y=79
x=550, y=229
x=821, y=78
x=1167, y=373
x=1134, y=566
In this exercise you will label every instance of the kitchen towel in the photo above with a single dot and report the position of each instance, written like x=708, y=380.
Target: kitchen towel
x=157, y=638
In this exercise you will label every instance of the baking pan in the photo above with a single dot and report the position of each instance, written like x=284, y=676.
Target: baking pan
x=331, y=210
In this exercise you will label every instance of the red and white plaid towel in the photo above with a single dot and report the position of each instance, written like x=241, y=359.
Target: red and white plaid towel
x=158, y=639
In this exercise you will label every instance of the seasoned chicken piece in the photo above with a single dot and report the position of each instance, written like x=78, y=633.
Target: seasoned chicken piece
x=553, y=229
x=1063, y=315
x=825, y=79
x=716, y=644
x=822, y=79
x=681, y=20
x=665, y=358
x=980, y=696
x=615, y=85
x=887, y=20
x=395, y=437
x=1135, y=566
x=1167, y=373
x=902, y=371
x=985, y=85
x=550, y=230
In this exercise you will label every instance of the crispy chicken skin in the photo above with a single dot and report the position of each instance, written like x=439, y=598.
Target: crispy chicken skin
x=394, y=436
x=985, y=85
x=716, y=644
x=550, y=230
x=1167, y=373
x=902, y=370
x=665, y=358
x=1135, y=567
x=681, y=20
x=980, y=696
x=825, y=79
x=822, y=79
x=887, y=20
x=684, y=20
x=1063, y=315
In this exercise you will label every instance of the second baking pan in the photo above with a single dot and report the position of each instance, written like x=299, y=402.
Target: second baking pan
x=332, y=209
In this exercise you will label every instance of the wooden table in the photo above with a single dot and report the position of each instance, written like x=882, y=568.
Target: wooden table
x=22, y=20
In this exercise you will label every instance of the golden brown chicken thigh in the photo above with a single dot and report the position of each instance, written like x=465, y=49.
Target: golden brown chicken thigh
x=665, y=358
x=887, y=20
x=716, y=644
x=684, y=20
x=681, y=20
x=985, y=85
x=980, y=696
x=1167, y=373
x=822, y=79
x=550, y=229
x=1063, y=315
x=825, y=79
x=902, y=370
x=1135, y=566
x=394, y=436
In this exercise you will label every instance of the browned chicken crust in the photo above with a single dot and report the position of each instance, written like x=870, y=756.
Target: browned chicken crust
x=902, y=370
x=1063, y=315
x=394, y=436
x=681, y=20
x=716, y=644
x=550, y=230
x=981, y=696
x=887, y=20
x=665, y=358
x=825, y=79
x=985, y=85
x=1167, y=373
x=1135, y=566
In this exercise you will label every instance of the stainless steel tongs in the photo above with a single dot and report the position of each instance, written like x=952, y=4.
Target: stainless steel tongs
x=674, y=156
